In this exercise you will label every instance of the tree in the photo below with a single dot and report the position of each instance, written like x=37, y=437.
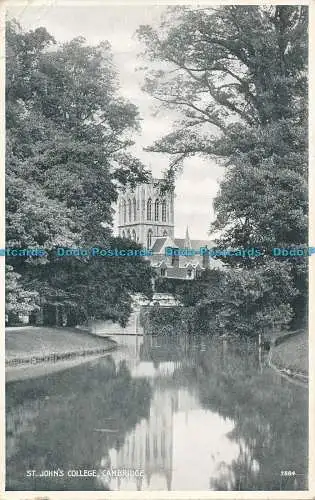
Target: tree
x=17, y=300
x=98, y=286
x=68, y=130
x=68, y=139
x=255, y=301
x=237, y=75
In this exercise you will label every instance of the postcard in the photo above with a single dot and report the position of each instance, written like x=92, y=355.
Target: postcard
x=157, y=250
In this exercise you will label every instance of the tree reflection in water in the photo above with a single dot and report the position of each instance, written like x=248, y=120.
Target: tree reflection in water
x=51, y=422
x=270, y=416
x=177, y=403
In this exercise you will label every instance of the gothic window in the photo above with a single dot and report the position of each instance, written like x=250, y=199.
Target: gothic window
x=134, y=236
x=128, y=234
x=134, y=209
x=163, y=444
x=147, y=446
x=189, y=273
x=149, y=209
x=163, y=272
x=164, y=233
x=123, y=234
x=164, y=210
x=155, y=446
x=156, y=209
x=133, y=449
x=129, y=210
x=120, y=208
x=124, y=211
x=149, y=239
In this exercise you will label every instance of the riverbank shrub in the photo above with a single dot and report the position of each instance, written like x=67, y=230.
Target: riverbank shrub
x=159, y=320
x=241, y=301
x=255, y=301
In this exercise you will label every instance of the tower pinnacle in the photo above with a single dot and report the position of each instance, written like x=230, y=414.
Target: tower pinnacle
x=187, y=239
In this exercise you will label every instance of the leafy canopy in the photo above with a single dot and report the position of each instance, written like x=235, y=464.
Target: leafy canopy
x=69, y=134
x=237, y=76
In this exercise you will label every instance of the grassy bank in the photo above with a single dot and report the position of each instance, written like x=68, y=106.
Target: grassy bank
x=40, y=342
x=292, y=354
x=36, y=352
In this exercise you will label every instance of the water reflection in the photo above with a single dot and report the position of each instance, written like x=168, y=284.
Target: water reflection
x=170, y=448
x=190, y=413
x=55, y=423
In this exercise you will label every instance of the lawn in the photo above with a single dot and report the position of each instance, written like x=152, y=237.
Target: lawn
x=39, y=341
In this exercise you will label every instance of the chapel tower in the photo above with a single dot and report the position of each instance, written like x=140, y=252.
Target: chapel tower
x=146, y=213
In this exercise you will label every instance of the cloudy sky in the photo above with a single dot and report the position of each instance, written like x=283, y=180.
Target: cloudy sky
x=198, y=184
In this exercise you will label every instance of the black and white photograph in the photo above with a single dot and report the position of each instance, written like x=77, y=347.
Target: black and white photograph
x=157, y=248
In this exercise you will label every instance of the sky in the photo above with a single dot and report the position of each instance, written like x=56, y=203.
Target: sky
x=197, y=186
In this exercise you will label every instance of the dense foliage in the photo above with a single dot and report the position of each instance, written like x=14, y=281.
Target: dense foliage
x=17, y=299
x=68, y=139
x=236, y=301
x=159, y=321
x=237, y=75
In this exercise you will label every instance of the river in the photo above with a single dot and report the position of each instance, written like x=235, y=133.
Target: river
x=169, y=413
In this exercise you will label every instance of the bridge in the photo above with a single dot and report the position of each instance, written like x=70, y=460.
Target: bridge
x=108, y=328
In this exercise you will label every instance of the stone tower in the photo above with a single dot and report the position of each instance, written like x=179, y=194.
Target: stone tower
x=145, y=213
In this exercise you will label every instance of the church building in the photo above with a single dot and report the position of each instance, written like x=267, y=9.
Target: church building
x=146, y=215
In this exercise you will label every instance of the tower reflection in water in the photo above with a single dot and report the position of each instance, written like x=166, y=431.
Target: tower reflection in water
x=168, y=447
